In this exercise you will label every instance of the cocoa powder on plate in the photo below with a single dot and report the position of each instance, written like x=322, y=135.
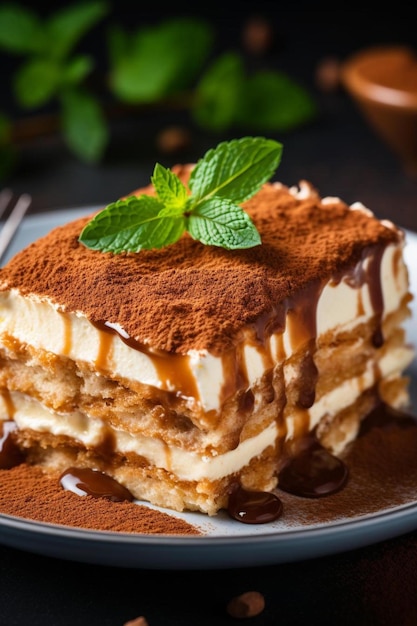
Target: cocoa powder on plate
x=27, y=492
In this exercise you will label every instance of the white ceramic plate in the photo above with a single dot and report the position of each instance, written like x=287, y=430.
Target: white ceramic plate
x=225, y=543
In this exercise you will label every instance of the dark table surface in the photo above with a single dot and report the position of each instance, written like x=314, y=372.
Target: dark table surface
x=373, y=585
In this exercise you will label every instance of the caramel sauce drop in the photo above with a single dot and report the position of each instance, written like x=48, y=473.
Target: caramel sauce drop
x=313, y=472
x=89, y=482
x=254, y=507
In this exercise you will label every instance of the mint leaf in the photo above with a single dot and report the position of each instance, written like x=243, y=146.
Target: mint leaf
x=68, y=25
x=36, y=81
x=170, y=190
x=276, y=102
x=220, y=222
x=83, y=125
x=131, y=225
x=21, y=30
x=225, y=176
x=154, y=62
x=236, y=169
x=76, y=70
x=227, y=97
x=220, y=93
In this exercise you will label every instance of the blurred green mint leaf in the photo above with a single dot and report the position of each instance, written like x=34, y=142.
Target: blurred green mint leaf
x=36, y=81
x=40, y=79
x=273, y=101
x=219, y=93
x=225, y=176
x=76, y=69
x=83, y=125
x=21, y=30
x=157, y=61
x=65, y=27
x=227, y=97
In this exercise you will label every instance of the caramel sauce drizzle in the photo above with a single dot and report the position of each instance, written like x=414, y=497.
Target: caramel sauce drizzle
x=66, y=350
x=8, y=401
x=173, y=369
x=104, y=352
x=368, y=270
x=89, y=482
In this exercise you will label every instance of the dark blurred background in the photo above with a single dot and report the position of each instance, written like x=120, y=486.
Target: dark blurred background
x=336, y=151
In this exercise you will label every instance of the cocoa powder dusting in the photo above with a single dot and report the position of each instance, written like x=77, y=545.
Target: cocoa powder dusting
x=26, y=492
x=192, y=296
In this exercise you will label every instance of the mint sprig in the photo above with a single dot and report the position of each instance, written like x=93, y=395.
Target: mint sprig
x=209, y=210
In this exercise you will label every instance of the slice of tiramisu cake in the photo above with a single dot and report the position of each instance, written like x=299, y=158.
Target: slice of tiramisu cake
x=192, y=337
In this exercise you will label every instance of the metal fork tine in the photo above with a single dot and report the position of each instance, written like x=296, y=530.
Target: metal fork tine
x=13, y=221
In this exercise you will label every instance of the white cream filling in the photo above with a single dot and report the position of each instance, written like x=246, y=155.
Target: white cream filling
x=38, y=323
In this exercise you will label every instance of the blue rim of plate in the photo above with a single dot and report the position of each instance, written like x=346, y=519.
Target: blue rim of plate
x=205, y=552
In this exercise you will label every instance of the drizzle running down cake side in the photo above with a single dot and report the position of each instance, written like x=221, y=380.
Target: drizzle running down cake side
x=185, y=371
